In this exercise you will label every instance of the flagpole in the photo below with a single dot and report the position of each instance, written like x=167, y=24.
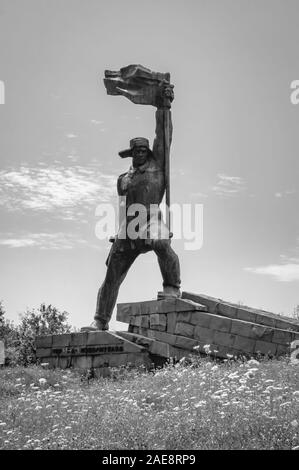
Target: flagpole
x=166, y=119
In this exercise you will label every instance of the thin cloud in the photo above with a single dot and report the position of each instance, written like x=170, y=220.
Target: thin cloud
x=96, y=123
x=71, y=136
x=228, y=186
x=45, y=241
x=281, y=272
x=56, y=189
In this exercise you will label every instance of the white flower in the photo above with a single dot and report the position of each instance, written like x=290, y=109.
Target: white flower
x=42, y=381
x=294, y=423
x=253, y=362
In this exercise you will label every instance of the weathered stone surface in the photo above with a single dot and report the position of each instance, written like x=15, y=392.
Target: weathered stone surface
x=158, y=321
x=224, y=339
x=171, y=322
x=251, y=330
x=166, y=306
x=265, y=348
x=43, y=352
x=144, y=323
x=205, y=335
x=136, y=321
x=44, y=341
x=79, y=339
x=185, y=343
x=200, y=319
x=219, y=323
x=184, y=317
x=184, y=329
x=242, y=312
x=283, y=336
x=61, y=340
x=242, y=344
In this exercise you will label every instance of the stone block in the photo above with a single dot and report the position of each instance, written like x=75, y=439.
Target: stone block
x=136, y=321
x=141, y=340
x=245, y=345
x=44, y=341
x=184, y=317
x=245, y=315
x=158, y=321
x=164, y=337
x=102, y=337
x=166, y=305
x=205, y=335
x=200, y=319
x=185, y=343
x=171, y=322
x=264, y=320
x=182, y=305
x=262, y=332
x=79, y=339
x=264, y=347
x=159, y=348
x=144, y=323
x=285, y=325
x=43, y=352
x=282, y=336
x=184, y=329
x=241, y=328
x=283, y=349
x=61, y=340
x=223, y=339
x=219, y=323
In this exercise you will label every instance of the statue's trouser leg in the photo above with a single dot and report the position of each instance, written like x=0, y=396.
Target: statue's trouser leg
x=168, y=262
x=118, y=266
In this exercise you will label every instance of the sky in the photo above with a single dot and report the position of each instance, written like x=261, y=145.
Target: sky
x=234, y=150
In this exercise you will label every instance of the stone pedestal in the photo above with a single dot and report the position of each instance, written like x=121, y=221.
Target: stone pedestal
x=171, y=329
x=90, y=350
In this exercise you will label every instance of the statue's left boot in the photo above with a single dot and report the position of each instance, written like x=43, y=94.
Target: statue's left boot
x=96, y=326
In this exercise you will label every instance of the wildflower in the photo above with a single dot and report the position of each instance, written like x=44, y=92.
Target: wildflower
x=196, y=348
x=207, y=348
x=44, y=364
x=296, y=393
x=2, y=424
x=253, y=362
x=42, y=381
x=214, y=368
x=294, y=423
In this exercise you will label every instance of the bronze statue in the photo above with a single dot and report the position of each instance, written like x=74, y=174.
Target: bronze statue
x=144, y=183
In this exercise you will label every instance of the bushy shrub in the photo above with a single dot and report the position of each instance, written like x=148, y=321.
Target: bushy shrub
x=20, y=340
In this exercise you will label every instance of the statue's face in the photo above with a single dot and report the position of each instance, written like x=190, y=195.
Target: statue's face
x=139, y=155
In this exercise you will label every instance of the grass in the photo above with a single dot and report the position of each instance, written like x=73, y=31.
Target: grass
x=202, y=405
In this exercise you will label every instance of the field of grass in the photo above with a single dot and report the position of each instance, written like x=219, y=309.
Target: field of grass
x=202, y=405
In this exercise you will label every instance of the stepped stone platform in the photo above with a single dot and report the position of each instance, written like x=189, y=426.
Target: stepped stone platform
x=171, y=328
x=174, y=327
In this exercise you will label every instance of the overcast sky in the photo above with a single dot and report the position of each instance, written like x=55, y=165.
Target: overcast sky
x=235, y=146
